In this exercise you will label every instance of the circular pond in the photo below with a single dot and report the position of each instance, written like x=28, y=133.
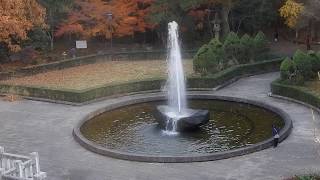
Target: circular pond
x=133, y=132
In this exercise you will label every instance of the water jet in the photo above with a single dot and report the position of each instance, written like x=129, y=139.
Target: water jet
x=176, y=116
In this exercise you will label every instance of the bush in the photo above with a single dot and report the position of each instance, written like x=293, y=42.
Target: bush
x=287, y=69
x=303, y=64
x=247, y=53
x=216, y=56
x=306, y=177
x=199, y=62
x=300, y=93
x=318, y=54
x=232, y=48
x=28, y=55
x=4, y=53
x=315, y=61
x=209, y=58
x=38, y=39
x=260, y=46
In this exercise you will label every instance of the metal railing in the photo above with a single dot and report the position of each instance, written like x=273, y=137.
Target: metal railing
x=18, y=167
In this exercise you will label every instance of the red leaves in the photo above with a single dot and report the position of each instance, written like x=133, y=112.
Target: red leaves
x=91, y=18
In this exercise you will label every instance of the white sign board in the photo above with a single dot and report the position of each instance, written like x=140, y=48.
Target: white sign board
x=81, y=44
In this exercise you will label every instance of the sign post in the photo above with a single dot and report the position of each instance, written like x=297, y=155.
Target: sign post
x=81, y=44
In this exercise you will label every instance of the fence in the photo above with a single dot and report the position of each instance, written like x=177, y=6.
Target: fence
x=17, y=167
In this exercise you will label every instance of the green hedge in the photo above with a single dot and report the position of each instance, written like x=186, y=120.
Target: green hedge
x=295, y=92
x=82, y=96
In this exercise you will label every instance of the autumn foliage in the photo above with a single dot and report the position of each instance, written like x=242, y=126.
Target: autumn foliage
x=291, y=11
x=92, y=18
x=17, y=17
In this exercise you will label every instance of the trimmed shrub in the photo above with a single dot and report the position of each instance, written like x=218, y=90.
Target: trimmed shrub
x=209, y=58
x=216, y=56
x=261, y=40
x=199, y=62
x=247, y=52
x=296, y=92
x=287, y=69
x=217, y=60
x=232, y=48
x=303, y=64
x=315, y=61
x=260, y=46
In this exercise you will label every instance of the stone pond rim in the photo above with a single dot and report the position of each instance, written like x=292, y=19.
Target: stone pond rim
x=130, y=100
x=196, y=118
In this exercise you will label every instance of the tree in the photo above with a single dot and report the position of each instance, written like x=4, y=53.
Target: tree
x=17, y=17
x=309, y=17
x=91, y=18
x=299, y=14
x=291, y=11
x=253, y=15
x=56, y=10
x=164, y=11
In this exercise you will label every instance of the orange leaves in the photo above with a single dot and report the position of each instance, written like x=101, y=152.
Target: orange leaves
x=71, y=28
x=17, y=17
x=93, y=18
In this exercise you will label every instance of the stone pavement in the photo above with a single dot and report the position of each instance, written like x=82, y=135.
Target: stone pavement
x=27, y=126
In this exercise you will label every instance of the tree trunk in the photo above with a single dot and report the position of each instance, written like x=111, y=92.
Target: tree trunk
x=51, y=42
x=209, y=23
x=51, y=30
x=316, y=32
x=225, y=10
x=297, y=36
x=309, y=35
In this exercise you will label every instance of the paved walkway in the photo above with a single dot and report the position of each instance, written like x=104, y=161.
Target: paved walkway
x=28, y=126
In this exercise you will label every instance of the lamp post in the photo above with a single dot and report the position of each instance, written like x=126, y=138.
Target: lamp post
x=109, y=18
x=216, y=23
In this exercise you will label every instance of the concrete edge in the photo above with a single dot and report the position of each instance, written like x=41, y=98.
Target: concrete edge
x=91, y=146
x=217, y=88
x=293, y=100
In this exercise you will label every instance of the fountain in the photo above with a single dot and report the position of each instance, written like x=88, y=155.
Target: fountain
x=176, y=116
x=154, y=128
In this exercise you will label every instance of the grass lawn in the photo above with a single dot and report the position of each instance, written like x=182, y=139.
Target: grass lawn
x=314, y=86
x=92, y=75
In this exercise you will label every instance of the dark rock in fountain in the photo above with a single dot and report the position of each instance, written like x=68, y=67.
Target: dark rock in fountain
x=193, y=119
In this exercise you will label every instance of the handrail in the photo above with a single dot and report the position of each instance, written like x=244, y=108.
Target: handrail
x=18, y=167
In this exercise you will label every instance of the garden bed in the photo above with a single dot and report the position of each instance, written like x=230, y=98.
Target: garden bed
x=79, y=91
x=307, y=93
x=91, y=59
x=99, y=74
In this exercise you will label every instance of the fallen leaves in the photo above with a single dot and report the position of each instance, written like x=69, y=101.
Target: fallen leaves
x=11, y=97
x=93, y=75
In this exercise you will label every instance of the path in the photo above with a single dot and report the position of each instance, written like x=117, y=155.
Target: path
x=28, y=126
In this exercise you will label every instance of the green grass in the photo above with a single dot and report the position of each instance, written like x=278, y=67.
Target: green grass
x=305, y=177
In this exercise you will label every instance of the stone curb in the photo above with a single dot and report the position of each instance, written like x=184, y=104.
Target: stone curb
x=293, y=100
x=284, y=133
